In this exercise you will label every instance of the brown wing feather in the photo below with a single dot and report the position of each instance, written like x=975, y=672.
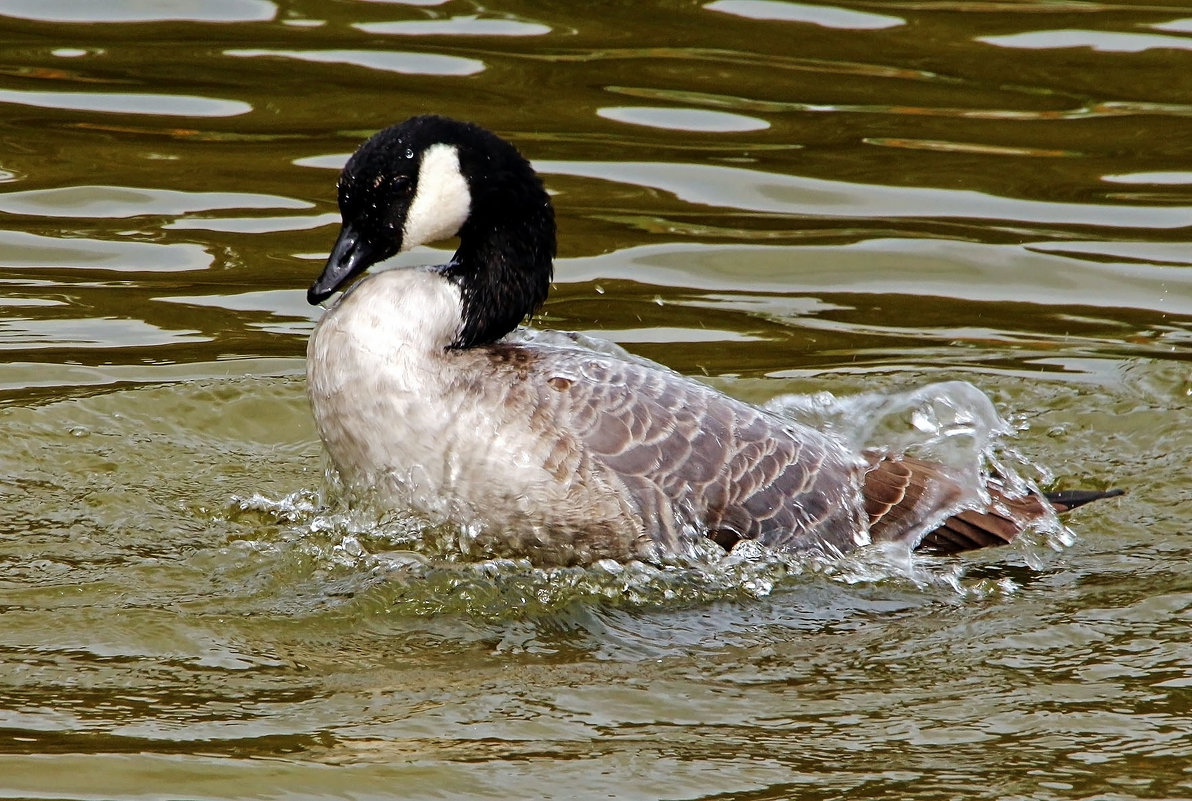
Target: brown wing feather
x=906, y=498
x=693, y=459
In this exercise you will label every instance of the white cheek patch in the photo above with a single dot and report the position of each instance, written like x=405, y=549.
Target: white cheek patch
x=441, y=201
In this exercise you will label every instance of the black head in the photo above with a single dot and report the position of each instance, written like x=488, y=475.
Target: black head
x=376, y=190
x=430, y=178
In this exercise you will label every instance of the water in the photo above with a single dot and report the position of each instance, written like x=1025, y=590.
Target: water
x=784, y=199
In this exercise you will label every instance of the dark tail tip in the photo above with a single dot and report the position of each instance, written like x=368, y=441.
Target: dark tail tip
x=1067, y=500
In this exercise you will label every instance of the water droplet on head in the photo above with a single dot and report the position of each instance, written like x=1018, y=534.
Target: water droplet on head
x=409, y=152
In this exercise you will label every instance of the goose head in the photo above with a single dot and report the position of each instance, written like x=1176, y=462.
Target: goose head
x=431, y=178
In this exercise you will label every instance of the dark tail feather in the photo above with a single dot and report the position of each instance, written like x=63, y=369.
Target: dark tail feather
x=970, y=530
x=900, y=492
x=973, y=528
x=1069, y=499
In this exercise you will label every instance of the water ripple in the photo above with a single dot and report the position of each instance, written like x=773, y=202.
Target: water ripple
x=1092, y=274
x=754, y=190
x=21, y=250
x=456, y=26
x=824, y=16
x=99, y=202
x=682, y=119
x=1100, y=41
x=80, y=333
x=72, y=11
x=406, y=63
x=128, y=103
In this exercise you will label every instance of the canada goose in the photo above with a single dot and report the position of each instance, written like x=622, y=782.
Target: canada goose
x=559, y=453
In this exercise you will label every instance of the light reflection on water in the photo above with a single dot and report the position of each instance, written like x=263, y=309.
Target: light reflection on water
x=127, y=103
x=750, y=190
x=181, y=10
x=682, y=119
x=390, y=61
x=1101, y=41
x=120, y=201
x=23, y=250
x=825, y=16
x=785, y=199
x=455, y=26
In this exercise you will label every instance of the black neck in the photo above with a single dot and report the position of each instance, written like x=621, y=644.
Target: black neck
x=504, y=263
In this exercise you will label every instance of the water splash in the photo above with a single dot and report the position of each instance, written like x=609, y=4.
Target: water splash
x=951, y=421
x=395, y=568
x=363, y=554
x=328, y=551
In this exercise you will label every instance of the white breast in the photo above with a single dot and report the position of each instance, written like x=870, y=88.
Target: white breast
x=434, y=430
x=375, y=370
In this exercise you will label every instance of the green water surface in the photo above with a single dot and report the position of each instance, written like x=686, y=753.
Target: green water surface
x=776, y=197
